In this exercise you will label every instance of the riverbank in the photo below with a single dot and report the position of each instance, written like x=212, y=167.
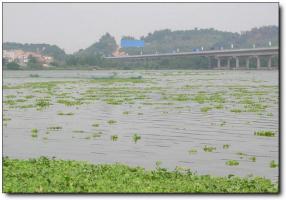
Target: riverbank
x=45, y=175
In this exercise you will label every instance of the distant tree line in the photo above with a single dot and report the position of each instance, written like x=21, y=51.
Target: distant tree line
x=162, y=41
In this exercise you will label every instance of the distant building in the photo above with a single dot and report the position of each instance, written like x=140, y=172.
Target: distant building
x=22, y=57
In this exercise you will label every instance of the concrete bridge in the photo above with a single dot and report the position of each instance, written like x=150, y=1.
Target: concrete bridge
x=218, y=55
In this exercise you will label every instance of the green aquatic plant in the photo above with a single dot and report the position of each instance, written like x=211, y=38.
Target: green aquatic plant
x=232, y=162
x=125, y=113
x=5, y=119
x=226, y=146
x=111, y=121
x=55, y=128
x=218, y=106
x=209, y=148
x=241, y=154
x=200, y=98
x=223, y=123
x=181, y=97
x=69, y=102
x=114, y=137
x=34, y=132
x=97, y=134
x=264, y=133
x=193, y=151
x=67, y=113
x=78, y=131
x=29, y=96
x=43, y=175
x=42, y=103
x=10, y=96
x=95, y=125
x=205, y=108
x=273, y=164
x=10, y=102
x=253, y=159
x=236, y=110
x=136, y=137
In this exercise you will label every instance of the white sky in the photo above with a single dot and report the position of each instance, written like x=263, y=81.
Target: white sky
x=77, y=25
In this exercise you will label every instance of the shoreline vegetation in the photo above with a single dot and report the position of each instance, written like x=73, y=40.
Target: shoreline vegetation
x=44, y=175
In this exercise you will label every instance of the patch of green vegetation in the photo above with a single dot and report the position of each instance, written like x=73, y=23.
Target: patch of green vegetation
x=95, y=125
x=218, y=106
x=193, y=151
x=236, y=110
x=125, y=113
x=111, y=121
x=114, y=79
x=55, y=128
x=209, y=148
x=203, y=97
x=78, y=131
x=10, y=96
x=87, y=137
x=34, y=132
x=180, y=97
x=217, y=98
x=264, y=133
x=42, y=103
x=232, y=162
x=223, y=123
x=273, y=164
x=200, y=98
x=67, y=102
x=254, y=107
x=45, y=175
x=226, y=146
x=28, y=96
x=5, y=119
x=114, y=137
x=252, y=158
x=114, y=101
x=10, y=102
x=205, y=108
x=136, y=137
x=97, y=134
x=68, y=113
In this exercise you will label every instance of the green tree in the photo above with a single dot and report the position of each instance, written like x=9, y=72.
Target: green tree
x=13, y=66
x=33, y=63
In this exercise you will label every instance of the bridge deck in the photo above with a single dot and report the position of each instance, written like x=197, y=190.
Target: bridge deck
x=229, y=52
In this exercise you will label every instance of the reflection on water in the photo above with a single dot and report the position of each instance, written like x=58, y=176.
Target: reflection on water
x=173, y=130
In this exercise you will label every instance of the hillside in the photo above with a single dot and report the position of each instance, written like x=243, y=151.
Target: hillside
x=165, y=41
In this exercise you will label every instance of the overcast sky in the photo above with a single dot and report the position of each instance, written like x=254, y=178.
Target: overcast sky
x=73, y=26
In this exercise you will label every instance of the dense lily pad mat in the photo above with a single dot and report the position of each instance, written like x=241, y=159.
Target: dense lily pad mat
x=48, y=175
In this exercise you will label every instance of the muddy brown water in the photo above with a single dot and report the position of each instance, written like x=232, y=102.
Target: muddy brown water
x=168, y=131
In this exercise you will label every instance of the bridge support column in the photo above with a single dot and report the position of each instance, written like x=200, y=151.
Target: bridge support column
x=258, y=66
x=228, y=62
x=270, y=62
x=236, y=62
x=210, y=62
x=247, y=62
x=218, y=63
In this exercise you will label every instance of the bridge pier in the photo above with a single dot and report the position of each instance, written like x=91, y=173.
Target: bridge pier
x=270, y=62
x=247, y=62
x=258, y=65
x=218, y=62
x=210, y=62
x=228, y=62
x=236, y=62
